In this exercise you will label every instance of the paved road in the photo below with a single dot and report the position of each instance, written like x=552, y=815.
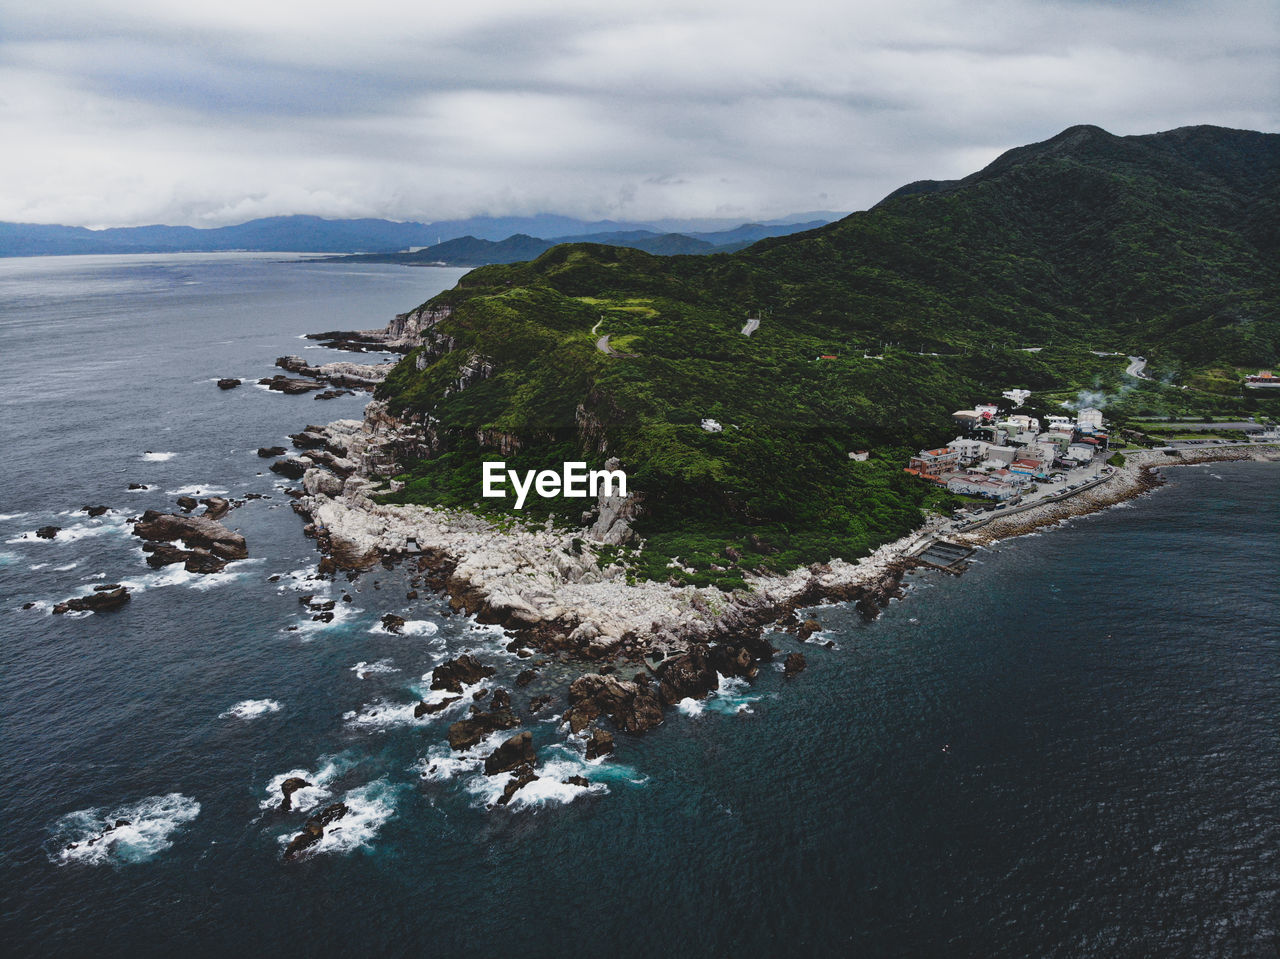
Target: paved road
x=602, y=345
x=751, y=327
x=1136, y=365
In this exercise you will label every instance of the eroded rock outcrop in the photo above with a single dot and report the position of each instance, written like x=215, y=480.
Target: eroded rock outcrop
x=288, y=788
x=632, y=706
x=453, y=674
x=466, y=733
x=516, y=751
x=105, y=597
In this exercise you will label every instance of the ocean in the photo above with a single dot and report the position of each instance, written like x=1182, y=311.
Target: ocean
x=1073, y=749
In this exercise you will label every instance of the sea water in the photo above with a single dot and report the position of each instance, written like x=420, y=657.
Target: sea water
x=1072, y=749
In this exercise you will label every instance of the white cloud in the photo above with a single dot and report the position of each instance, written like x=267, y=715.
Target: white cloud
x=207, y=114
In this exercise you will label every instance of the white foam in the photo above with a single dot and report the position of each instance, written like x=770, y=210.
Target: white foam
x=363, y=669
x=175, y=575
x=383, y=715
x=196, y=491
x=411, y=627
x=5, y=517
x=152, y=821
x=70, y=534
x=730, y=698
x=251, y=709
x=327, y=770
x=157, y=457
x=368, y=807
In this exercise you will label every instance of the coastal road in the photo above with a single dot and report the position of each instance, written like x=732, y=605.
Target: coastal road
x=751, y=327
x=1136, y=365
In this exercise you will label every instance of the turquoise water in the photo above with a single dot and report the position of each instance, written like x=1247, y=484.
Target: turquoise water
x=1073, y=749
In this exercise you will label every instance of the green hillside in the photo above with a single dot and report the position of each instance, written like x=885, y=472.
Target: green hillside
x=1163, y=245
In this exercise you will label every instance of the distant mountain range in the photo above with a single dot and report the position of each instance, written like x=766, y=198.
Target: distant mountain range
x=316, y=235
x=473, y=251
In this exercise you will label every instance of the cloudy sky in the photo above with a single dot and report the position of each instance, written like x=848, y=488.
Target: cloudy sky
x=144, y=111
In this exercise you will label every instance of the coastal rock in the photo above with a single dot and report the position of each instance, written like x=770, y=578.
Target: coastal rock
x=425, y=708
x=808, y=628
x=48, y=532
x=688, y=675
x=95, y=510
x=795, y=663
x=516, y=751
x=395, y=624
x=313, y=829
x=228, y=383
x=101, y=600
x=522, y=777
x=582, y=781
x=600, y=743
x=287, y=385
x=288, y=788
x=632, y=707
x=525, y=677
x=453, y=674
x=215, y=507
x=468, y=732
x=266, y=452
x=186, y=503
x=197, y=532
x=137, y=486
x=291, y=467
x=501, y=699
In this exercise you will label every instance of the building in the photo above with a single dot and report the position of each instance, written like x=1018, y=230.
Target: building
x=970, y=451
x=1061, y=423
x=1079, y=453
x=1017, y=397
x=859, y=456
x=712, y=426
x=1089, y=420
x=976, y=484
x=1264, y=379
x=931, y=464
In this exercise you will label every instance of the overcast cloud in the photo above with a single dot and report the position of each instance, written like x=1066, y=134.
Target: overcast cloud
x=145, y=111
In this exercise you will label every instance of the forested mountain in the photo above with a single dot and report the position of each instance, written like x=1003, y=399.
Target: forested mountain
x=942, y=295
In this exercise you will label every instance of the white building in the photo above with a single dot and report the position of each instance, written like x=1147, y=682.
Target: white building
x=1064, y=423
x=711, y=426
x=971, y=451
x=1089, y=419
x=1018, y=397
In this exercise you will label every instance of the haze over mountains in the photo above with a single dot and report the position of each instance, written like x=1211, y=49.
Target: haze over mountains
x=317, y=235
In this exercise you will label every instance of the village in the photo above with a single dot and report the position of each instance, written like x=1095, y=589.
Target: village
x=1001, y=456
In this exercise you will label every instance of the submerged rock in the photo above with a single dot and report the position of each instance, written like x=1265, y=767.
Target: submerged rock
x=523, y=776
x=229, y=383
x=95, y=510
x=395, y=624
x=313, y=829
x=795, y=663
x=425, y=708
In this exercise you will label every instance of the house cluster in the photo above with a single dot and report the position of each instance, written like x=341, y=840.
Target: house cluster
x=1263, y=380
x=997, y=455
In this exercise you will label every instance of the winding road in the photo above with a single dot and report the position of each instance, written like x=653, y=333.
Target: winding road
x=1136, y=365
x=751, y=327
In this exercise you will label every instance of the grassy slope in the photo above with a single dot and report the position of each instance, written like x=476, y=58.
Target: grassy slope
x=1162, y=245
